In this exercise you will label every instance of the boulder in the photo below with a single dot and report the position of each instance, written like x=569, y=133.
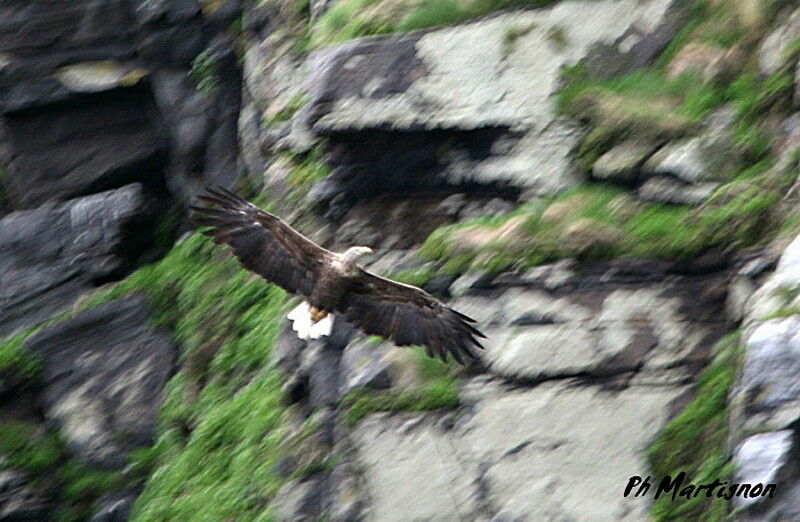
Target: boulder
x=104, y=373
x=622, y=162
x=688, y=160
x=460, y=105
x=670, y=190
x=772, y=53
x=761, y=459
x=77, y=149
x=37, y=39
x=51, y=255
x=602, y=327
x=365, y=365
x=768, y=391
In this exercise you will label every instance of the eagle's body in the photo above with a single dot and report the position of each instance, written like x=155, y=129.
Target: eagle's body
x=333, y=283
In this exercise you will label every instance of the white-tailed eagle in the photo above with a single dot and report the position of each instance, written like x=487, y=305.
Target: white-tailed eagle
x=333, y=282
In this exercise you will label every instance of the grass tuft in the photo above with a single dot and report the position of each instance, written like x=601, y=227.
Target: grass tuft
x=696, y=440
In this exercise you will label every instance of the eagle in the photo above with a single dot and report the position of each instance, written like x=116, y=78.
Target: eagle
x=333, y=283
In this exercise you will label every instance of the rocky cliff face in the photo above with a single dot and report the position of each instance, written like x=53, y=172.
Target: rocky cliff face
x=606, y=187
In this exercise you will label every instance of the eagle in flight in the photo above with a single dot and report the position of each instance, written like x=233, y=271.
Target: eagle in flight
x=333, y=283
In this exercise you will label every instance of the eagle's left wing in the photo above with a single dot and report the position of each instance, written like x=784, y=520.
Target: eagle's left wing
x=409, y=316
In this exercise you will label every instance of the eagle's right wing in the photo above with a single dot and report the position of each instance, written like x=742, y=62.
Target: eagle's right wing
x=409, y=316
x=264, y=244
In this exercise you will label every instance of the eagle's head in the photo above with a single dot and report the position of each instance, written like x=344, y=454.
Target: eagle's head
x=352, y=254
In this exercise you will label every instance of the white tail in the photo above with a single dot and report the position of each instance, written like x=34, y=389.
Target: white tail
x=301, y=323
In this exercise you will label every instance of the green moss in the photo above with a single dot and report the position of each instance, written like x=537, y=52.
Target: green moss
x=16, y=361
x=598, y=221
x=42, y=457
x=642, y=103
x=696, y=440
x=354, y=18
x=224, y=408
x=204, y=73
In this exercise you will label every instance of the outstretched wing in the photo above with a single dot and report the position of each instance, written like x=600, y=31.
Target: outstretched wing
x=409, y=316
x=264, y=243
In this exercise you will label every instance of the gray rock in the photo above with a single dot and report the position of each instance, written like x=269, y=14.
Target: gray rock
x=622, y=162
x=365, y=365
x=460, y=90
x=321, y=365
x=297, y=501
x=670, y=190
x=693, y=160
x=494, y=207
x=18, y=501
x=51, y=255
x=115, y=506
x=772, y=54
x=787, y=147
x=77, y=149
x=597, y=328
x=760, y=459
x=36, y=40
x=481, y=467
x=103, y=379
x=768, y=390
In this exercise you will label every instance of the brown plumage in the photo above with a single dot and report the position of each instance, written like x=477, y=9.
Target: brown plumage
x=332, y=282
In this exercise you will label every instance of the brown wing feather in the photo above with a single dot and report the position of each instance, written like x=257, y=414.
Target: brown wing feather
x=264, y=243
x=409, y=316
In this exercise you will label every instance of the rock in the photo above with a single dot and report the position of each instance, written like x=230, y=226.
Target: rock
x=298, y=500
x=622, y=162
x=115, y=506
x=772, y=54
x=740, y=290
x=51, y=255
x=104, y=373
x=768, y=390
x=760, y=459
x=18, y=502
x=694, y=160
x=81, y=120
x=365, y=365
x=480, y=467
x=346, y=499
x=797, y=85
x=709, y=62
x=36, y=40
x=494, y=207
x=77, y=149
x=597, y=328
x=787, y=147
x=670, y=190
x=321, y=365
x=98, y=76
x=455, y=106
x=764, y=399
x=466, y=283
